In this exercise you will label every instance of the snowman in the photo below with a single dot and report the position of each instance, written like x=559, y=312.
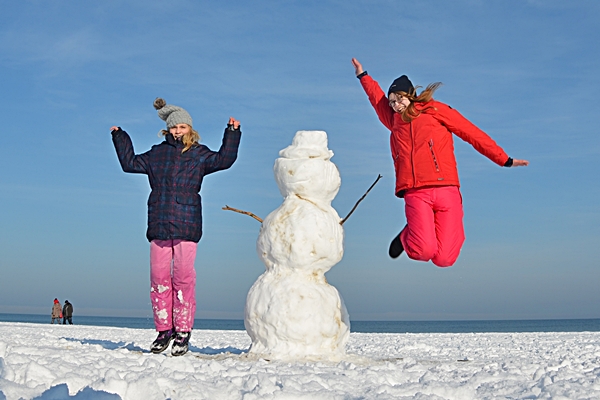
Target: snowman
x=291, y=311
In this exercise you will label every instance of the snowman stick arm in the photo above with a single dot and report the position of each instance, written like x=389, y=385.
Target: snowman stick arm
x=243, y=212
x=359, y=200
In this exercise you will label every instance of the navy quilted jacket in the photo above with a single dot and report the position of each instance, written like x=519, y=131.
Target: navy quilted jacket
x=174, y=205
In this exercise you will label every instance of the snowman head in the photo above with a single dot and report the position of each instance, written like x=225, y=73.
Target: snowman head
x=304, y=168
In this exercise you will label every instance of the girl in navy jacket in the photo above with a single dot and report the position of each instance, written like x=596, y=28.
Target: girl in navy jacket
x=175, y=169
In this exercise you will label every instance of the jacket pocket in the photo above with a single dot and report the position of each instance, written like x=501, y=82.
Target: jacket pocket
x=188, y=208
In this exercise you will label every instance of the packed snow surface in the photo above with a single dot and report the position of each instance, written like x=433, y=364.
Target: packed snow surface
x=89, y=362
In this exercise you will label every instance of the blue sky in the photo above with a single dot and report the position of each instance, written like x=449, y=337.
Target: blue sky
x=526, y=72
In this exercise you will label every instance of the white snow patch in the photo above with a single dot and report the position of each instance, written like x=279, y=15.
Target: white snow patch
x=162, y=289
x=39, y=360
x=162, y=314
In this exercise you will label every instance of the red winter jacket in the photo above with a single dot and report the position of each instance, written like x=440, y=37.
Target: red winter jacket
x=423, y=150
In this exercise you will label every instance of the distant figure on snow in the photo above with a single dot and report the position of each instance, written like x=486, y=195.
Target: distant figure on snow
x=426, y=174
x=67, y=312
x=175, y=169
x=56, y=312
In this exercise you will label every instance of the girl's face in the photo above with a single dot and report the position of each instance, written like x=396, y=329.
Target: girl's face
x=398, y=102
x=179, y=130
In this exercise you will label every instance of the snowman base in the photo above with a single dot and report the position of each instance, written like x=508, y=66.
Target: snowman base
x=296, y=316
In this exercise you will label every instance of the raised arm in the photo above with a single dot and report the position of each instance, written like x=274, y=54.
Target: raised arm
x=227, y=154
x=130, y=162
x=377, y=97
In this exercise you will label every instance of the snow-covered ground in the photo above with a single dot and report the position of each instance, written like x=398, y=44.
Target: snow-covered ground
x=87, y=362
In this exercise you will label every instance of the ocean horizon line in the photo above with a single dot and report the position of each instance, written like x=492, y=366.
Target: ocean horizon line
x=351, y=320
x=356, y=326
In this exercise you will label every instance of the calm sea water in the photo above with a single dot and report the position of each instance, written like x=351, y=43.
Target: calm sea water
x=537, y=325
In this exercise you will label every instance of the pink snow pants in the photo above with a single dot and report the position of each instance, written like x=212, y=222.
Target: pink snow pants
x=173, y=284
x=434, y=225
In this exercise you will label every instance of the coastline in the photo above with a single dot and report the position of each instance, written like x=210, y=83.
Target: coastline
x=449, y=326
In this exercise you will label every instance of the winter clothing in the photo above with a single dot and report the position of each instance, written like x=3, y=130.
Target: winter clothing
x=396, y=247
x=434, y=225
x=56, y=311
x=162, y=340
x=401, y=84
x=180, y=344
x=174, y=215
x=423, y=150
x=173, y=295
x=67, y=313
x=171, y=114
x=174, y=205
x=426, y=173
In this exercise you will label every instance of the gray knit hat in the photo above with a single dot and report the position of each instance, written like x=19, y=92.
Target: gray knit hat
x=173, y=115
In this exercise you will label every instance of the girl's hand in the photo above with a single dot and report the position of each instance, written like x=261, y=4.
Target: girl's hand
x=234, y=122
x=114, y=128
x=520, y=163
x=358, y=68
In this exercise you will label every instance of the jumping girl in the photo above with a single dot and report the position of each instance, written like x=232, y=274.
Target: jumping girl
x=426, y=174
x=175, y=169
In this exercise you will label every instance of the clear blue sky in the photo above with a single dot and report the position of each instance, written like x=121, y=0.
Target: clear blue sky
x=527, y=72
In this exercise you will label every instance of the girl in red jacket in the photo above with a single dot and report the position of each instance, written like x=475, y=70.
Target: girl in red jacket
x=426, y=175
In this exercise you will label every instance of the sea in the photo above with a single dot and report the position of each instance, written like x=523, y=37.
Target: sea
x=478, y=326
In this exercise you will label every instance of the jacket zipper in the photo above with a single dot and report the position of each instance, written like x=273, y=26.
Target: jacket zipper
x=437, y=167
x=412, y=154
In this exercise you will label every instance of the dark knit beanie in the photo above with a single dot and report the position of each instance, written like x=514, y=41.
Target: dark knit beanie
x=402, y=84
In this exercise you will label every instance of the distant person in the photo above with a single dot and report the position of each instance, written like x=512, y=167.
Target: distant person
x=175, y=169
x=56, y=312
x=426, y=174
x=67, y=312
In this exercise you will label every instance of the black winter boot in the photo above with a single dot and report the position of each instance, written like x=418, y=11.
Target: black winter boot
x=162, y=341
x=396, y=247
x=180, y=345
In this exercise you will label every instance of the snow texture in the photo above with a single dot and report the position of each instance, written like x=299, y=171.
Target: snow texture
x=95, y=363
x=291, y=311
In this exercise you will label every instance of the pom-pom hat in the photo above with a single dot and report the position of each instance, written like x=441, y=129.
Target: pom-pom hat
x=171, y=114
x=401, y=84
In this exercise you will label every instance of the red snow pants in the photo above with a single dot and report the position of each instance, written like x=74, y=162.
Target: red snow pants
x=173, y=284
x=434, y=225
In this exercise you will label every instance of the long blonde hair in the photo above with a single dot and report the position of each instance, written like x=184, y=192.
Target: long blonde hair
x=189, y=139
x=411, y=112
